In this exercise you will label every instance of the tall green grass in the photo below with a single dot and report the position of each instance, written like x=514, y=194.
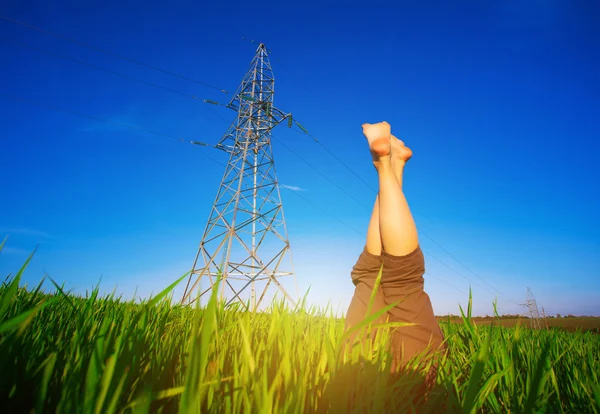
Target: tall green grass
x=67, y=354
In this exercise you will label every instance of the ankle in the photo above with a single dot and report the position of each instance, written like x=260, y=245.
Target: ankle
x=383, y=164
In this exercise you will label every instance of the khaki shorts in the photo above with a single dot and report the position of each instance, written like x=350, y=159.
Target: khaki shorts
x=401, y=280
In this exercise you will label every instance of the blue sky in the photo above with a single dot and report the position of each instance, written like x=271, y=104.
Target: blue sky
x=499, y=101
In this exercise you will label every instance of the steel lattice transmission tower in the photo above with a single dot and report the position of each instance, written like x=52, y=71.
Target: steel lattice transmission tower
x=533, y=312
x=545, y=318
x=246, y=237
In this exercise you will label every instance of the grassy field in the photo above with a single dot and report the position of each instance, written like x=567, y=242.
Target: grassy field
x=571, y=324
x=66, y=354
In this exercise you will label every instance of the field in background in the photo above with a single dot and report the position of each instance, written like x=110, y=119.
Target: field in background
x=61, y=353
x=570, y=324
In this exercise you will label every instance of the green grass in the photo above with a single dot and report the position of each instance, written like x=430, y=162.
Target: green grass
x=66, y=354
x=573, y=324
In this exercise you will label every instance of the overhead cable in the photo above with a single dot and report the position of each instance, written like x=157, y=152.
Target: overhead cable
x=108, y=121
x=112, y=72
x=107, y=52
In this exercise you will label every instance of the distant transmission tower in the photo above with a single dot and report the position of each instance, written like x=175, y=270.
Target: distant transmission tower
x=245, y=239
x=545, y=318
x=534, y=314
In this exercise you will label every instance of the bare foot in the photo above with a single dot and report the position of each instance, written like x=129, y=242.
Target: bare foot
x=400, y=152
x=378, y=136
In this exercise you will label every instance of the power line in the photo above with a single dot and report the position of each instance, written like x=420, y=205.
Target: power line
x=197, y=98
x=356, y=231
x=368, y=208
x=107, y=52
x=458, y=261
x=112, y=72
x=364, y=235
x=108, y=121
x=75, y=41
x=421, y=231
x=328, y=213
x=212, y=102
x=428, y=273
x=332, y=154
x=218, y=115
x=455, y=271
x=322, y=175
x=188, y=141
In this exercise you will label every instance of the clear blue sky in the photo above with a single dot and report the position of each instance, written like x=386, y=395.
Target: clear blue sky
x=499, y=100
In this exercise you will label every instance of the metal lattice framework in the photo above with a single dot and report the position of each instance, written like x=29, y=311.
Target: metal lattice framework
x=246, y=237
x=533, y=312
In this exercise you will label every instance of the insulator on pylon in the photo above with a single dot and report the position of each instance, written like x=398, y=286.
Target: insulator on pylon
x=301, y=127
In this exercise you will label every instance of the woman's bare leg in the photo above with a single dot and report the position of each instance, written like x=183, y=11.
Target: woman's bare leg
x=400, y=155
x=403, y=262
x=364, y=275
x=373, y=233
x=396, y=225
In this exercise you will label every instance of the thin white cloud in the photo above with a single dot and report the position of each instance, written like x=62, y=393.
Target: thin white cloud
x=292, y=187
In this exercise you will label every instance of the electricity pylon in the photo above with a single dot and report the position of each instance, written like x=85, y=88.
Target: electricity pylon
x=545, y=318
x=533, y=312
x=245, y=240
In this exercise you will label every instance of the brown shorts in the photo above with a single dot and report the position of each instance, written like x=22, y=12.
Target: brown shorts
x=401, y=280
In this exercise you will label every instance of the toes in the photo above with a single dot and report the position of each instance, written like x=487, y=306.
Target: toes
x=378, y=130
